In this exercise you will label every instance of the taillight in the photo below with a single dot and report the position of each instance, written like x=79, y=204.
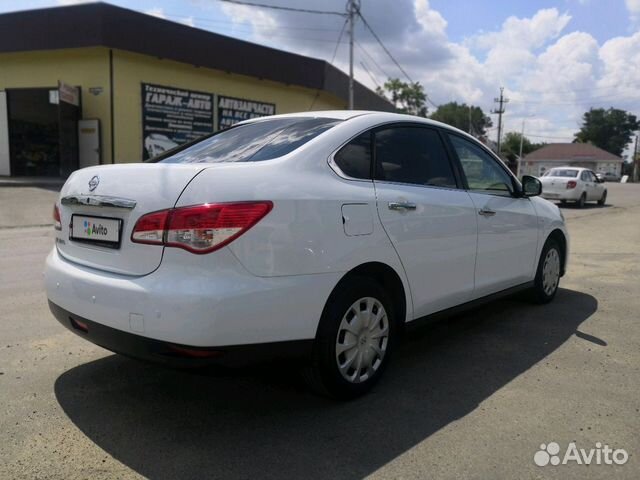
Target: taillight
x=199, y=228
x=150, y=228
x=571, y=184
x=57, y=223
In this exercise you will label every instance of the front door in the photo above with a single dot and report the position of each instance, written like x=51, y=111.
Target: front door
x=507, y=225
x=430, y=221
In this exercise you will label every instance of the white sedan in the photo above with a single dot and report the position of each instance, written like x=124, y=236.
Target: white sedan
x=575, y=184
x=313, y=236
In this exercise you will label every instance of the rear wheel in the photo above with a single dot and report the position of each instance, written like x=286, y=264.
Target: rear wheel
x=582, y=201
x=548, y=273
x=603, y=200
x=355, y=337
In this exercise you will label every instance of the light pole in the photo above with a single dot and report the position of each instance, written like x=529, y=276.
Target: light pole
x=521, y=143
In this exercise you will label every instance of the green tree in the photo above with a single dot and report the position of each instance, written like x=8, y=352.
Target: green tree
x=406, y=97
x=511, y=145
x=609, y=129
x=468, y=118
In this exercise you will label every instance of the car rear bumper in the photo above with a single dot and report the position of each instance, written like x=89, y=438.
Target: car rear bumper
x=174, y=355
x=188, y=302
x=571, y=194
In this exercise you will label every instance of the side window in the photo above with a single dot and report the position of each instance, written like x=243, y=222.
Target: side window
x=483, y=172
x=412, y=155
x=584, y=176
x=354, y=159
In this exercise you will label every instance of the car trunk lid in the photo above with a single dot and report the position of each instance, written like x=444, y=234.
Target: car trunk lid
x=99, y=207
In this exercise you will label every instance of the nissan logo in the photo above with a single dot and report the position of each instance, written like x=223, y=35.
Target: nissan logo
x=93, y=183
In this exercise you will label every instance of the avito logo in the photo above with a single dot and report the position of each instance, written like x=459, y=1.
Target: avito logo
x=95, y=229
x=549, y=454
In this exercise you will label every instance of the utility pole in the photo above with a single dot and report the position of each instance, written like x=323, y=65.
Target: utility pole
x=501, y=101
x=353, y=7
x=636, y=161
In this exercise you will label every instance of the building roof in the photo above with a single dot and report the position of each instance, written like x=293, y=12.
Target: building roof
x=102, y=24
x=571, y=152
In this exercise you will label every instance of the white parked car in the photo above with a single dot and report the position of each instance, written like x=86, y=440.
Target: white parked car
x=573, y=184
x=313, y=236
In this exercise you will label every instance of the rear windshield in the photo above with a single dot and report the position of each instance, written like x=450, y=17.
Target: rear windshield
x=254, y=142
x=561, y=172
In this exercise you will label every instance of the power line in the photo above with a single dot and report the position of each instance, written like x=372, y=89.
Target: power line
x=287, y=9
x=365, y=51
x=373, y=79
x=366, y=24
x=335, y=52
x=333, y=57
x=245, y=24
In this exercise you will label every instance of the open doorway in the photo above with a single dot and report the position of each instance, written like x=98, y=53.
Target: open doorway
x=43, y=133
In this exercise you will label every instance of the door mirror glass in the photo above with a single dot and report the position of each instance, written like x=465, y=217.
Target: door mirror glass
x=531, y=186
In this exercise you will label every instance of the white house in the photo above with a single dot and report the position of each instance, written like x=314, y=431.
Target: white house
x=574, y=154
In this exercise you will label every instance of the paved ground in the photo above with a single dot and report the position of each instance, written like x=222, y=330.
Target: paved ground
x=470, y=398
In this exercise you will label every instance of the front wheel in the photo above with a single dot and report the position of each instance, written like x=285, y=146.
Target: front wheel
x=355, y=337
x=548, y=273
x=603, y=200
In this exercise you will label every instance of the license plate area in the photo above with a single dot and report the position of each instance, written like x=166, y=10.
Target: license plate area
x=99, y=231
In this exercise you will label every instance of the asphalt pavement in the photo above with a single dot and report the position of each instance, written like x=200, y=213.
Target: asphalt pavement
x=471, y=397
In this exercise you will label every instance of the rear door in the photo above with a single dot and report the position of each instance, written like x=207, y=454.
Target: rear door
x=507, y=225
x=430, y=221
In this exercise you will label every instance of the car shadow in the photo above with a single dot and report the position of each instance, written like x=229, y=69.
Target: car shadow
x=172, y=424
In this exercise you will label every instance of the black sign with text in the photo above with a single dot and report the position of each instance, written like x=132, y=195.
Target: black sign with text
x=233, y=110
x=173, y=116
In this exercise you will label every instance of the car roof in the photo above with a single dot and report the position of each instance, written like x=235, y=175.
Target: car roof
x=569, y=167
x=376, y=117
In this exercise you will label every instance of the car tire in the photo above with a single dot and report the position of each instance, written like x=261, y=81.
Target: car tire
x=603, y=200
x=350, y=353
x=548, y=273
x=582, y=201
x=563, y=202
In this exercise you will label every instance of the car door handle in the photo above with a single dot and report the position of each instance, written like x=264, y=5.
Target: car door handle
x=485, y=212
x=402, y=206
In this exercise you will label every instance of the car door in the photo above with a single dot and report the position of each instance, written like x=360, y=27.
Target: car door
x=429, y=219
x=585, y=180
x=507, y=223
x=596, y=187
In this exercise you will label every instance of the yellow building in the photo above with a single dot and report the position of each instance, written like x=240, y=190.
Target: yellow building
x=94, y=83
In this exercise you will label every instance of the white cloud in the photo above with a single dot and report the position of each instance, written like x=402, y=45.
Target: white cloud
x=156, y=12
x=74, y=2
x=525, y=33
x=633, y=6
x=551, y=74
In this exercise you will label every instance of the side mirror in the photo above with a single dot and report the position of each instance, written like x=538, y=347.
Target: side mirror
x=531, y=186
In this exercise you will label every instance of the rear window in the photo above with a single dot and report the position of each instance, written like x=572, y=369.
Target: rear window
x=562, y=172
x=254, y=142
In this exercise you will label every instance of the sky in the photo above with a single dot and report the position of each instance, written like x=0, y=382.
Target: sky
x=554, y=58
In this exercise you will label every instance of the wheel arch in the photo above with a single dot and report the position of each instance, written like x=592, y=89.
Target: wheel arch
x=559, y=236
x=390, y=281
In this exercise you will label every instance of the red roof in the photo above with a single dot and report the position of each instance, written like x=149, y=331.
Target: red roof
x=572, y=151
